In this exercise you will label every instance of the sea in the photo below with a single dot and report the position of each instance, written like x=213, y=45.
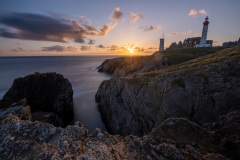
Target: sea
x=81, y=71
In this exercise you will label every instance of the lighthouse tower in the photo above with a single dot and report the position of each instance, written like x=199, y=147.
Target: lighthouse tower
x=161, y=46
x=204, y=31
x=203, y=42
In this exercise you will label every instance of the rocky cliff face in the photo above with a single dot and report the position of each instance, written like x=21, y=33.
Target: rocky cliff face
x=126, y=66
x=175, y=138
x=46, y=92
x=200, y=90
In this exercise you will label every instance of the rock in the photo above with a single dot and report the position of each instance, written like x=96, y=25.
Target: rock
x=23, y=112
x=23, y=139
x=126, y=66
x=200, y=90
x=46, y=92
x=47, y=117
x=182, y=130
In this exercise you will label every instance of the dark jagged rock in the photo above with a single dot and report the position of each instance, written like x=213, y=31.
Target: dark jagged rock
x=174, y=139
x=47, y=117
x=200, y=90
x=47, y=92
x=19, y=110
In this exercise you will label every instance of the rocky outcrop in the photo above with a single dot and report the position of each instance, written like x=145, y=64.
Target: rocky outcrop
x=126, y=66
x=23, y=139
x=46, y=92
x=174, y=139
x=200, y=90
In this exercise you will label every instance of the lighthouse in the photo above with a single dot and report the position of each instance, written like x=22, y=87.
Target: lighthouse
x=203, y=42
x=161, y=45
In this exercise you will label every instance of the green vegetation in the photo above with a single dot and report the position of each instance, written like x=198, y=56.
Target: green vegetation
x=182, y=55
x=202, y=60
x=139, y=80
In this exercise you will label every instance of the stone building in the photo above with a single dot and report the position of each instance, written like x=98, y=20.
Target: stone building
x=188, y=43
x=231, y=43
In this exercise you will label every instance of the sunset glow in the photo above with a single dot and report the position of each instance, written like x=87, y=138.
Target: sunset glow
x=60, y=27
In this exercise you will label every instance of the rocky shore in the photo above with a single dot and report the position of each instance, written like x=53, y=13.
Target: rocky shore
x=174, y=139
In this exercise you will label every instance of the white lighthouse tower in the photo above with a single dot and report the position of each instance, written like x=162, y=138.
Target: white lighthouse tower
x=161, y=45
x=203, y=42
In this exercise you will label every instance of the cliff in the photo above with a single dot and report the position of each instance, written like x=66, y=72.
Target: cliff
x=200, y=90
x=129, y=66
x=175, y=138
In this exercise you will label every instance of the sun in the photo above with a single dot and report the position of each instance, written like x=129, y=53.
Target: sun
x=131, y=50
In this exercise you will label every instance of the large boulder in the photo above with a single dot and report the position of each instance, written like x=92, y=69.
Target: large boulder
x=47, y=92
x=200, y=90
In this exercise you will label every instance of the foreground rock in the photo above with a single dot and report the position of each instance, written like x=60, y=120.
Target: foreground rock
x=200, y=90
x=174, y=139
x=46, y=92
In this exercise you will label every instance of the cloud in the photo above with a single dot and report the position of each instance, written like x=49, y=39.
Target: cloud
x=192, y=12
x=113, y=47
x=152, y=48
x=116, y=14
x=149, y=28
x=85, y=48
x=173, y=34
x=100, y=46
x=19, y=49
x=139, y=49
x=58, y=48
x=71, y=49
x=135, y=16
x=29, y=26
x=203, y=12
x=91, y=41
x=187, y=32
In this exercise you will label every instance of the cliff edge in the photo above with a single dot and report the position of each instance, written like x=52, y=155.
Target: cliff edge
x=200, y=90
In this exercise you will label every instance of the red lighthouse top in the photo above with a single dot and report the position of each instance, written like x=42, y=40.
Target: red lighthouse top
x=206, y=22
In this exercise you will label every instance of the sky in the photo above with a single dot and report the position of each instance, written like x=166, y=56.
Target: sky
x=110, y=27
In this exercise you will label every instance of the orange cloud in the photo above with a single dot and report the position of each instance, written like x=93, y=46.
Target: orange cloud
x=203, y=12
x=192, y=12
x=85, y=48
x=173, y=34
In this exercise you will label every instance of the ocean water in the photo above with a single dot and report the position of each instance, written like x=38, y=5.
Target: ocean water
x=81, y=71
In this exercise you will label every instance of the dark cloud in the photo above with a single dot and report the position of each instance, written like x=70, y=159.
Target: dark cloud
x=85, y=48
x=113, y=47
x=116, y=14
x=71, y=49
x=91, y=41
x=100, y=46
x=135, y=16
x=19, y=49
x=149, y=28
x=152, y=48
x=56, y=48
x=31, y=26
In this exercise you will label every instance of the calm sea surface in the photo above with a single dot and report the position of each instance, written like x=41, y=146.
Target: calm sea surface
x=81, y=72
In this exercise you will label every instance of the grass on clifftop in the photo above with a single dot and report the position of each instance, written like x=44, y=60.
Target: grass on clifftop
x=182, y=55
x=202, y=60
